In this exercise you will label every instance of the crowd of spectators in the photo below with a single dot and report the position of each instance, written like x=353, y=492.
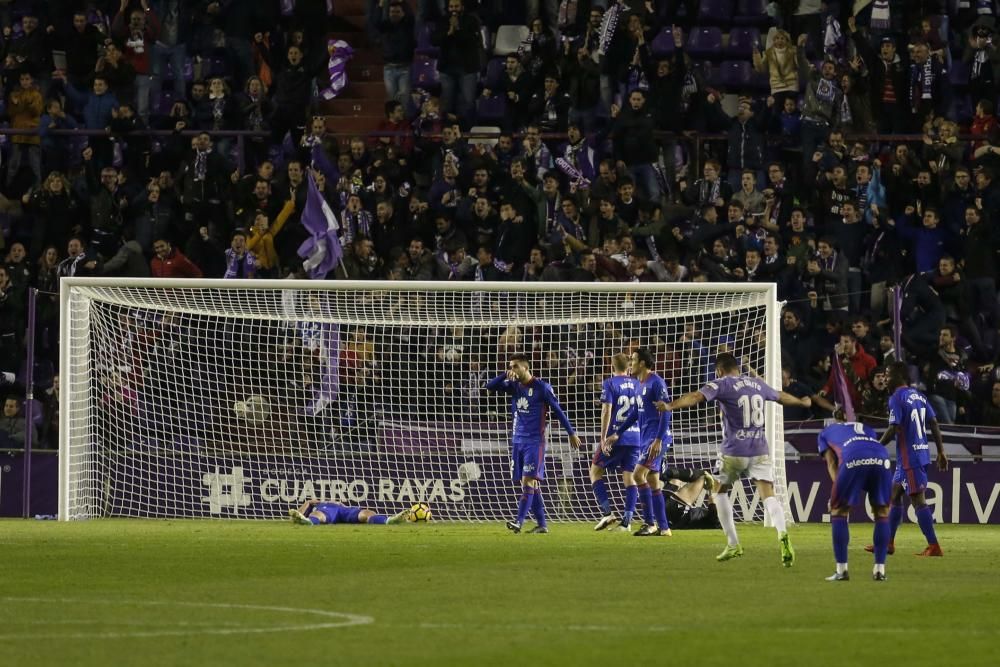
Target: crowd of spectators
x=596, y=167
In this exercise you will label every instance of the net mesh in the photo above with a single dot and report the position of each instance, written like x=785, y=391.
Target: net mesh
x=239, y=402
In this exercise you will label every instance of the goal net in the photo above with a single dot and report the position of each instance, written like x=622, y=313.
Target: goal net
x=240, y=399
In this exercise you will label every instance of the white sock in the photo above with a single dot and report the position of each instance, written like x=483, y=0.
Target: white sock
x=841, y=568
x=879, y=568
x=774, y=509
x=724, y=505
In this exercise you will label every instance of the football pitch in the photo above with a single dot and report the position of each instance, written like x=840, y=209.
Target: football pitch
x=112, y=592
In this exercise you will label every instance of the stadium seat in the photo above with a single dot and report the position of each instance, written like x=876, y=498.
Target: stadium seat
x=751, y=13
x=424, y=45
x=735, y=75
x=705, y=43
x=741, y=43
x=663, y=43
x=494, y=73
x=715, y=12
x=509, y=39
x=491, y=109
x=958, y=75
x=424, y=73
x=484, y=141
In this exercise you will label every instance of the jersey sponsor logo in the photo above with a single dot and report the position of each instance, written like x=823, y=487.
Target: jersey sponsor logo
x=918, y=447
x=522, y=404
x=748, y=433
x=871, y=461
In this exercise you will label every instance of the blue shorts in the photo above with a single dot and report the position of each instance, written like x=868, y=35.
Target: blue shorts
x=854, y=484
x=913, y=480
x=337, y=513
x=621, y=456
x=654, y=463
x=527, y=461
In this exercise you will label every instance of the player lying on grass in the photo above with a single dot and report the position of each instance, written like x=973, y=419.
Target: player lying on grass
x=655, y=439
x=859, y=466
x=315, y=513
x=910, y=413
x=617, y=400
x=530, y=400
x=745, y=450
x=682, y=490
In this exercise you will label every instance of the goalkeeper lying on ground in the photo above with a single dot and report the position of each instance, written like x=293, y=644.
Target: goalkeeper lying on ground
x=681, y=492
x=315, y=512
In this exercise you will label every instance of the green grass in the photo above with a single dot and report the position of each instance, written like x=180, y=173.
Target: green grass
x=134, y=592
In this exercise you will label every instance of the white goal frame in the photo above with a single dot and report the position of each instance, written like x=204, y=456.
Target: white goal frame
x=75, y=328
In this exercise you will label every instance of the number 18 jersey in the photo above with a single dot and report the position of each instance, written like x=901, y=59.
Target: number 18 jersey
x=742, y=400
x=619, y=392
x=909, y=411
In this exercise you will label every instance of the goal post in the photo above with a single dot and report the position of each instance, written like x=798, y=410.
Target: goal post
x=238, y=399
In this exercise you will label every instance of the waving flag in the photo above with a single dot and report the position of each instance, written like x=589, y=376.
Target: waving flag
x=840, y=389
x=322, y=252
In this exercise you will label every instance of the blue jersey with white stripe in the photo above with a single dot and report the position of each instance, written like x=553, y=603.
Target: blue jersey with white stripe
x=619, y=391
x=529, y=406
x=834, y=436
x=909, y=412
x=653, y=424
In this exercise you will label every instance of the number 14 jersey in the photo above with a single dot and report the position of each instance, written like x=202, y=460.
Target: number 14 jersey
x=909, y=412
x=742, y=400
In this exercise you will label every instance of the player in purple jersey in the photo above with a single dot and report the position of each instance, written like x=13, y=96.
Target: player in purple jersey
x=617, y=402
x=859, y=467
x=317, y=513
x=910, y=413
x=745, y=451
x=530, y=401
x=655, y=438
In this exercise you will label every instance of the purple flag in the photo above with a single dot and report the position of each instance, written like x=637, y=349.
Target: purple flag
x=897, y=320
x=321, y=162
x=841, y=392
x=322, y=339
x=574, y=173
x=322, y=252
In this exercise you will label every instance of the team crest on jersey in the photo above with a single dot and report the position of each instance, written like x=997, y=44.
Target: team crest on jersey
x=531, y=392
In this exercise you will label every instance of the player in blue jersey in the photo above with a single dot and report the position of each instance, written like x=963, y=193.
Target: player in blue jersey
x=318, y=513
x=530, y=401
x=745, y=450
x=655, y=439
x=910, y=415
x=617, y=403
x=859, y=466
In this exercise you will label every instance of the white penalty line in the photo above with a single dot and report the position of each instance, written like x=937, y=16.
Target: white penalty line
x=343, y=620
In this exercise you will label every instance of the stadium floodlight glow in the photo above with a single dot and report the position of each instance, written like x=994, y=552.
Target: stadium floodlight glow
x=238, y=399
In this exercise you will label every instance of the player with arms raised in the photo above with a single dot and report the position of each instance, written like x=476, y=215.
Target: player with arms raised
x=655, y=439
x=530, y=400
x=617, y=402
x=859, y=466
x=745, y=450
x=910, y=414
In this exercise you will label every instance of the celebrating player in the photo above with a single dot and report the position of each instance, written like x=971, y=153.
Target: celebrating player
x=910, y=414
x=617, y=401
x=858, y=465
x=654, y=439
x=316, y=513
x=745, y=450
x=529, y=404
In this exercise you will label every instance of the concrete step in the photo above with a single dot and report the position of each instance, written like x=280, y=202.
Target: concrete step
x=365, y=90
x=353, y=107
x=349, y=126
x=358, y=72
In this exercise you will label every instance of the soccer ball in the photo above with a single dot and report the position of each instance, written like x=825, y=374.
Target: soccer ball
x=255, y=409
x=419, y=513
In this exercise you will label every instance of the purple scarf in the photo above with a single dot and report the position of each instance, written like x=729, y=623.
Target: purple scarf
x=337, y=67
